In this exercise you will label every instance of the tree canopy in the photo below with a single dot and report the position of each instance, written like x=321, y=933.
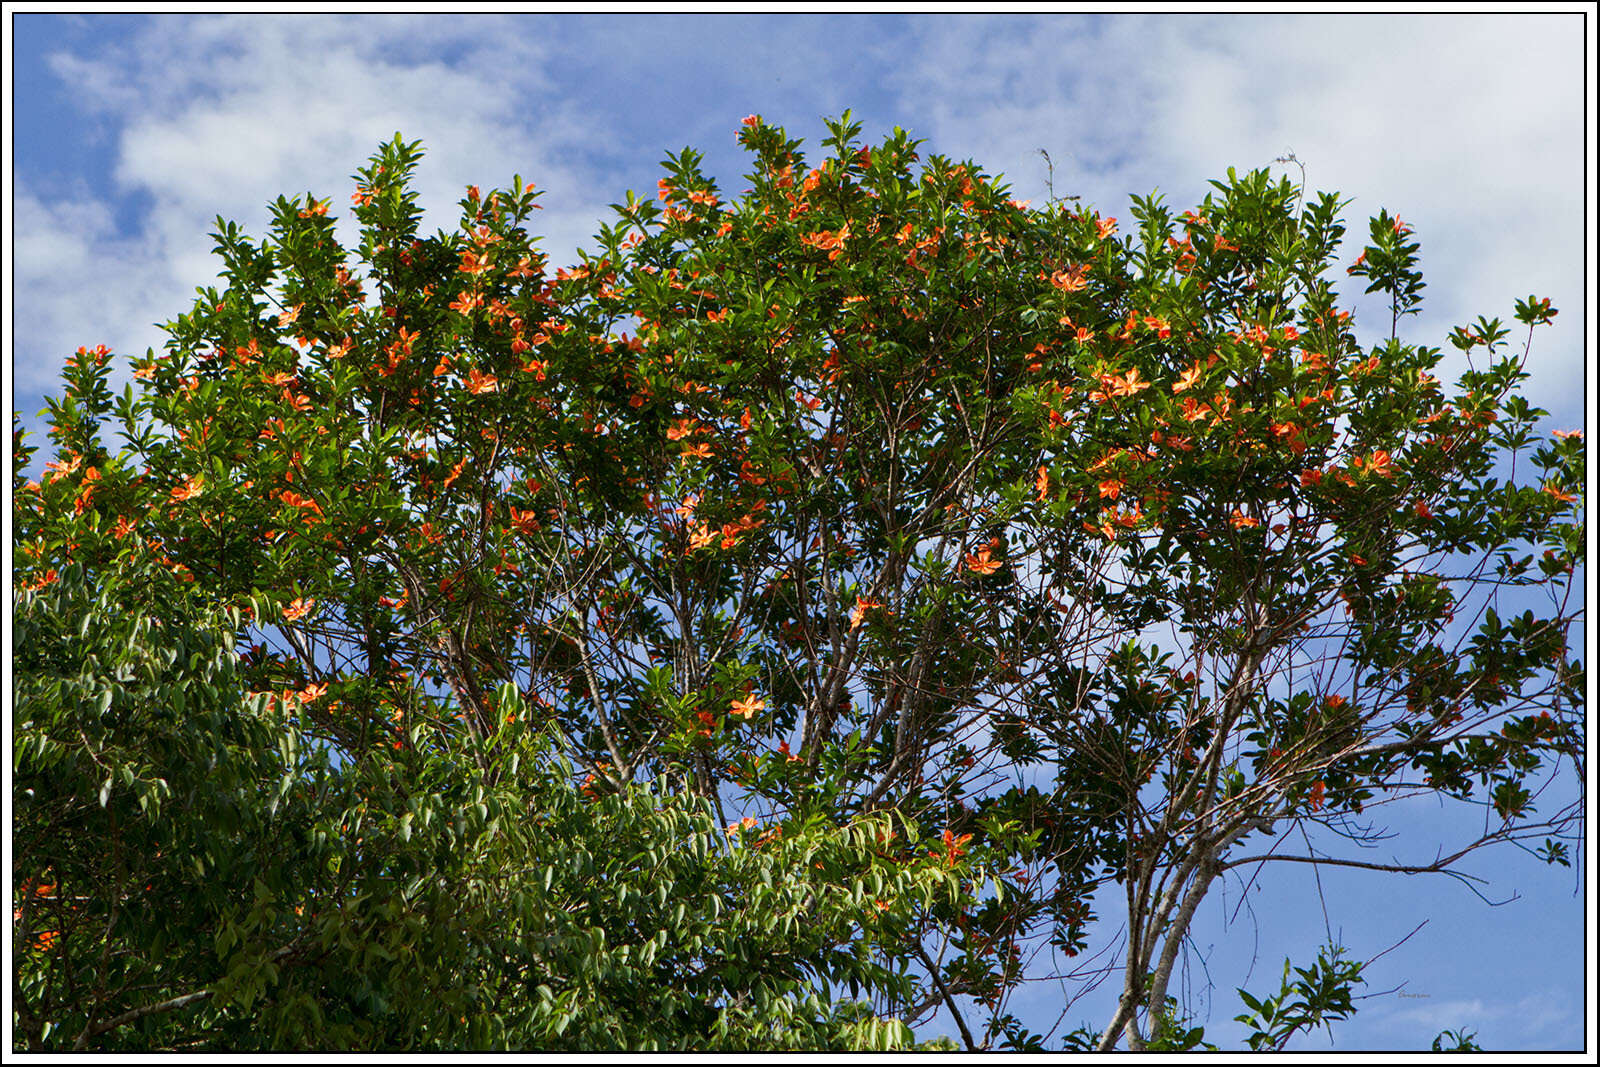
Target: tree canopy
x=774, y=630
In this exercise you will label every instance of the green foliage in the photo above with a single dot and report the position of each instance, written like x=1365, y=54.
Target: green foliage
x=191, y=872
x=1319, y=995
x=1456, y=1041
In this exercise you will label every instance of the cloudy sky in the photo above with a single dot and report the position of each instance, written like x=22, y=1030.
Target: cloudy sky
x=132, y=133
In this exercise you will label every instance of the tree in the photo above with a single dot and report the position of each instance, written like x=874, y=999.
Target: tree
x=1108, y=559
x=192, y=872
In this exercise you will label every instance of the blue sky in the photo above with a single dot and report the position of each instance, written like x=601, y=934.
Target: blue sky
x=132, y=133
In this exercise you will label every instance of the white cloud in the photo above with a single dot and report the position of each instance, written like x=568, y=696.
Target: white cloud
x=220, y=115
x=1470, y=127
x=1531, y=1021
x=78, y=283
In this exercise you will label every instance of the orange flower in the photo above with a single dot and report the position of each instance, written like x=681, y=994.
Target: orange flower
x=1187, y=379
x=701, y=536
x=298, y=608
x=1561, y=497
x=1422, y=510
x=479, y=382
x=1317, y=361
x=1379, y=464
x=830, y=241
x=1111, y=520
x=952, y=847
x=1240, y=520
x=982, y=563
x=466, y=302
x=47, y=578
x=1111, y=487
x=60, y=469
x=189, y=489
x=681, y=428
x=748, y=706
x=1106, y=459
x=295, y=500
x=1041, y=484
x=1071, y=280
x=1310, y=476
x=524, y=522
x=1193, y=410
x=523, y=269
x=1219, y=407
x=859, y=614
x=1124, y=385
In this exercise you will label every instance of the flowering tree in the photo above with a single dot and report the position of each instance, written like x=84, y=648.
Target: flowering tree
x=1098, y=558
